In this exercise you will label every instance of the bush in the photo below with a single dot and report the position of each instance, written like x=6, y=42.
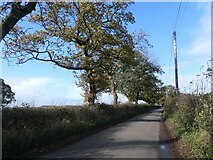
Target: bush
x=186, y=112
x=192, y=120
x=204, y=113
x=170, y=107
x=199, y=142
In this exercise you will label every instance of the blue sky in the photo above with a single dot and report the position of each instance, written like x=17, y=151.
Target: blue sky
x=41, y=83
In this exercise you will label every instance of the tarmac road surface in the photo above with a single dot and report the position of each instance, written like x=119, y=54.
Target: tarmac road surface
x=138, y=137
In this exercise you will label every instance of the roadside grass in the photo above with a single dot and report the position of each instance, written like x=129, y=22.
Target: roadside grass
x=199, y=143
x=197, y=140
x=191, y=119
x=34, y=129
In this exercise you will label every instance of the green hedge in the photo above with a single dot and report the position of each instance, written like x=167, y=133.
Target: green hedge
x=27, y=129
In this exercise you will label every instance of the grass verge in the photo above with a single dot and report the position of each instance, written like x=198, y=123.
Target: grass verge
x=198, y=141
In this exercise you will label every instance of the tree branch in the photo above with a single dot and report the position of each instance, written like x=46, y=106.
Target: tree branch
x=17, y=12
x=36, y=57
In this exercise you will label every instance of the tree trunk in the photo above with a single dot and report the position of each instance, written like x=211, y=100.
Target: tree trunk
x=86, y=94
x=113, y=91
x=129, y=100
x=92, y=89
x=92, y=95
x=115, y=98
x=137, y=97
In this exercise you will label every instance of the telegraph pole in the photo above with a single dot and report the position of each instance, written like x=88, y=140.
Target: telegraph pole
x=176, y=66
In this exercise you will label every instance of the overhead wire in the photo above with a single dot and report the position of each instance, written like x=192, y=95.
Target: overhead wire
x=182, y=14
x=178, y=21
x=178, y=13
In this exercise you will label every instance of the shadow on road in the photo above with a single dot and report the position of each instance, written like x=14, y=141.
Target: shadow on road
x=168, y=141
x=146, y=120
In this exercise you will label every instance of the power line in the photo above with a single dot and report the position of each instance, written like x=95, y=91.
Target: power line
x=175, y=45
x=178, y=13
x=182, y=14
x=171, y=50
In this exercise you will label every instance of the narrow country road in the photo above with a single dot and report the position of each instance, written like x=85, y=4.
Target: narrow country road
x=138, y=137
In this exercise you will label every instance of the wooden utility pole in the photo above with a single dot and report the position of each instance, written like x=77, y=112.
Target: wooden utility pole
x=176, y=65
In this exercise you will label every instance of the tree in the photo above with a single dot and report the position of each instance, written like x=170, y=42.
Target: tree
x=17, y=12
x=139, y=81
x=152, y=89
x=122, y=58
x=71, y=36
x=98, y=81
x=7, y=95
x=112, y=64
x=115, y=66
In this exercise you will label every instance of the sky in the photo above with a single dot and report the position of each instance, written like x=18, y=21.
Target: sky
x=40, y=83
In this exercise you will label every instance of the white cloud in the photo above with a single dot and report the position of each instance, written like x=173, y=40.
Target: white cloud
x=51, y=91
x=44, y=90
x=107, y=98
x=75, y=92
x=185, y=79
x=201, y=45
x=198, y=80
x=32, y=86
